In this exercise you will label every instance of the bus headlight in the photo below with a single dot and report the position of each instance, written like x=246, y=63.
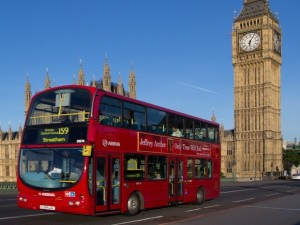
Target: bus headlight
x=21, y=199
x=77, y=203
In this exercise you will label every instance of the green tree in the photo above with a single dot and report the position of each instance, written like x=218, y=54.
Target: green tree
x=290, y=158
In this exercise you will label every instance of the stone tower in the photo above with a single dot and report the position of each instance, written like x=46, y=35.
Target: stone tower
x=47, y=80
x=256, y=58
x=106, y=77
x=81, y=76
x=27, y=95
x=132, y=84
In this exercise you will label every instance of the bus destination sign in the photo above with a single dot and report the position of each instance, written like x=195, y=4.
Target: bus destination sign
x=53, y=135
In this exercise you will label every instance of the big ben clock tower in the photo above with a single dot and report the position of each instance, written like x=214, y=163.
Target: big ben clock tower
x=256, y=57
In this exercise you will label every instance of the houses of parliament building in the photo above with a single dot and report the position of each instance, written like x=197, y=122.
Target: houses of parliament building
x=251, y=150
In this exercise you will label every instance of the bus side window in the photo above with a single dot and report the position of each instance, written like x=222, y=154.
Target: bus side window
x=175, y=125
x=209, y=169
x=156, y=121
x=197, y=168
x=110, y=111
x=189, y=129
x=211, y=134
x=134, y=167
x=200, y=131
x=157, y=167
x=190, y=166
x=133, y=116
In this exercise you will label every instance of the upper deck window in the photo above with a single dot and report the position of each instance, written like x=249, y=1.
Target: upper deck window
x=60, y=106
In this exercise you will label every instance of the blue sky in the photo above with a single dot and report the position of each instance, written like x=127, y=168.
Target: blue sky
x=180, y=51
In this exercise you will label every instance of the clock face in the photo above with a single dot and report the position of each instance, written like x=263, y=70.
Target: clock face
x=250, y=41
x=277, y=42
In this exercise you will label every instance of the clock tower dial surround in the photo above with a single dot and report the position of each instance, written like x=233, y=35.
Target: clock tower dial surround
x=250, y=41
x=256, y=58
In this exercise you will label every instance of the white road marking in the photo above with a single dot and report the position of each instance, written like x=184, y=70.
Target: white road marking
x=192, y=210
x=227, y=192
x=212, y=206
x=136, y=221
x=261, y=207
x=243, y=200
x=272, y=194
x=31, y=215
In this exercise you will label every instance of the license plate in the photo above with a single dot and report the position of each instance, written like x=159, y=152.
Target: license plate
x=47, y=207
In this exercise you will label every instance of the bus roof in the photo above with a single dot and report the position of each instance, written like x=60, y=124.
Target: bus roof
x=95, y=90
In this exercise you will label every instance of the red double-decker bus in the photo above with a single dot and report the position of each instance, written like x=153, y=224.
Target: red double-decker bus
x=87, y=151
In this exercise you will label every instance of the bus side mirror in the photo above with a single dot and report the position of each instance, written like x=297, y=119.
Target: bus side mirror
x=87, y=150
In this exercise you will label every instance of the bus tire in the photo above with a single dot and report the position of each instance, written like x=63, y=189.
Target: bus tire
x=133, y=204
x=200, y=197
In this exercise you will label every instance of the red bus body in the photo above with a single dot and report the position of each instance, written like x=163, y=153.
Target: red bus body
x=122, y=169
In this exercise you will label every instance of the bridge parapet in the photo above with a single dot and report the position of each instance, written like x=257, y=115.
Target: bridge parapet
x=8, y=186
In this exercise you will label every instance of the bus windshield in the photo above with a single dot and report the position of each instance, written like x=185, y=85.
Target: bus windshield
x=59, y=106
x=51, y=168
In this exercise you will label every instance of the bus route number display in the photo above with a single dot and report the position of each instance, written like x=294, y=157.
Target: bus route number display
x=53, y=135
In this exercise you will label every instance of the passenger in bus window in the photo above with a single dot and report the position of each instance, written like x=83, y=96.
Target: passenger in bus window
x=157, y=175
x=129, y=119
x=176, y=132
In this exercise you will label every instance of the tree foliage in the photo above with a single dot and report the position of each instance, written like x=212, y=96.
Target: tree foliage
x=290, y=158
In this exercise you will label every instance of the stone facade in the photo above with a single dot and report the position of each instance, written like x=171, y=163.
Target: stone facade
x=9, y=148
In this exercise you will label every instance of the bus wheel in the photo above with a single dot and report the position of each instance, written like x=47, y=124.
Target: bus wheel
x=133, y=205
x=200, y=196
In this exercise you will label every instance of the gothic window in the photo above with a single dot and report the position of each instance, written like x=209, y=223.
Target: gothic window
x=16, y=151
x=6, y=152
x=7, y=171
x=229, y=167
x=229, y=149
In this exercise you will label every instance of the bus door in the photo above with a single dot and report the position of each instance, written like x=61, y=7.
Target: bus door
x=107, y=182
x=115, y=178
x=175, y=176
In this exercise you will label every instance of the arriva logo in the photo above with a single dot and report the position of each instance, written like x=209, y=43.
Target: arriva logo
x=46, y=194
x=107, y=143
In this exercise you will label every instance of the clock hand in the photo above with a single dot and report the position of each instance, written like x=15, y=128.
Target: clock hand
x=249, y=43
x=251, y=39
